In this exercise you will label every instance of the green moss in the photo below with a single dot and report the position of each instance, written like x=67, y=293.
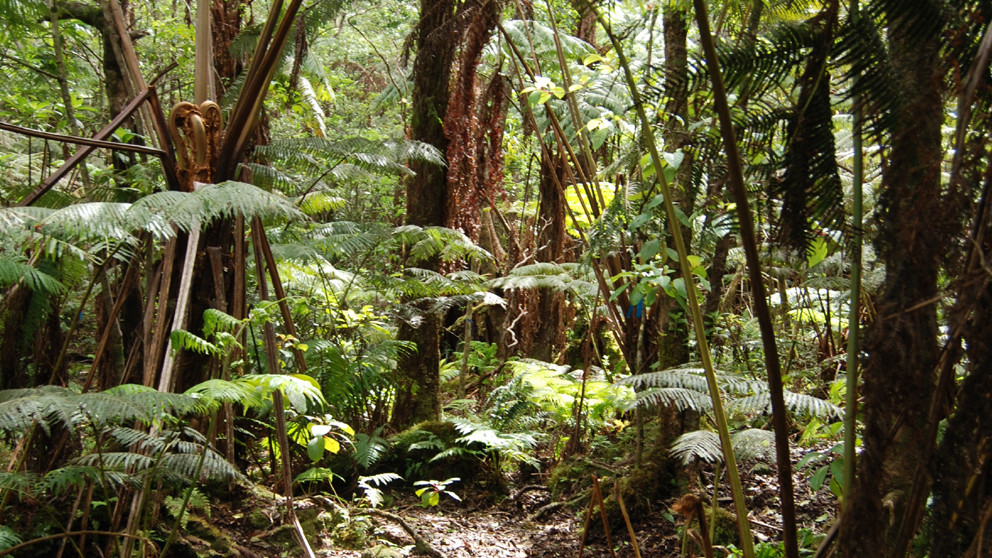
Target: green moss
x=725, y=533
x=382, y=551
x=220, y=543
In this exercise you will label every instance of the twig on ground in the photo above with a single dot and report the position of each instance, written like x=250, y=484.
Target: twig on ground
x=421, y=543
x=560, y=504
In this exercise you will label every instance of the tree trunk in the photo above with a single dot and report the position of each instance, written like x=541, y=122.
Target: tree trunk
x=418, y=373
x=902, y=342
x=549, y=312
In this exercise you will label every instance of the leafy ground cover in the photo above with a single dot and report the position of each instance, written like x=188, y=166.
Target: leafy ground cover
x=250, y=523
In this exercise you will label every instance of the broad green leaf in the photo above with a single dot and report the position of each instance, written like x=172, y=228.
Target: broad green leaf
x=315, y=448
x=650, y=249
x=674, y=160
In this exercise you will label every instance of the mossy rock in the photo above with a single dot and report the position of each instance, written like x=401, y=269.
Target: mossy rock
x=282, y=539
x=353, y=534
x=725, y=533
x=258, y=520
x=220, y=543
x=382, y=551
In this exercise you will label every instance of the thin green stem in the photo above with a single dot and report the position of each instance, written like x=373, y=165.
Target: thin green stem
x=745, y=220
x=851, y=399
x=743, y=527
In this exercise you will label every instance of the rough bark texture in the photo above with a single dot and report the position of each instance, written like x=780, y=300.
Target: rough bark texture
x=902, y=341
x=673, y=333
x=549, y=330
x=962, y=491
x=417, y=375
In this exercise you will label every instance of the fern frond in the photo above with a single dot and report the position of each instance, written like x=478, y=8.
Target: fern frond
x=93, y=220
x=215, y=467
x=13, y=271
x=218, y=391
x=318, y=202
x=115, y=460
x=754, y=443
x=216, y=201
x=183, y=340
x=680, y=398
x=215, y=321
x=797, y=403
x=699, y=445
x=8, y=538
x=369, y=448
x=447, y=244
x=21, y=482
x=525, y=34
x=71, y=477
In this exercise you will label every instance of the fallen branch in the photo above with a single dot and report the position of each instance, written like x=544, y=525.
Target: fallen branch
x=559, y=504
x=421, y=543
x=524, y=489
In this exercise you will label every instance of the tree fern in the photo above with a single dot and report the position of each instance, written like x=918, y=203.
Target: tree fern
x=13, y=271
x=679, y=398
x=447, y=244
x=797, y=403
x=704, y=445
x=548, y=275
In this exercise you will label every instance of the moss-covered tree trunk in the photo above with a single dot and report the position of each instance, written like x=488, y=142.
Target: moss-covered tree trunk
x=418, y=373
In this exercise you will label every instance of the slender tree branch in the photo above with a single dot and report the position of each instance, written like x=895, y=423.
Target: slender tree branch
x=760, y=301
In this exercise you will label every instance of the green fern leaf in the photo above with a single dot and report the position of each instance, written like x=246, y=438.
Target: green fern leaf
x=796, y=403
x=700, y=445
x=679, y=398
x=8, y=538
x=13, y=271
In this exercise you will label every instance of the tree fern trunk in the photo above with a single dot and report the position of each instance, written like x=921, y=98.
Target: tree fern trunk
x=548, y=318
x=902, y=341
x=418, y=373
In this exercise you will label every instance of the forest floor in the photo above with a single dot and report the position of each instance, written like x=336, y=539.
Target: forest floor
x=477, y=527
